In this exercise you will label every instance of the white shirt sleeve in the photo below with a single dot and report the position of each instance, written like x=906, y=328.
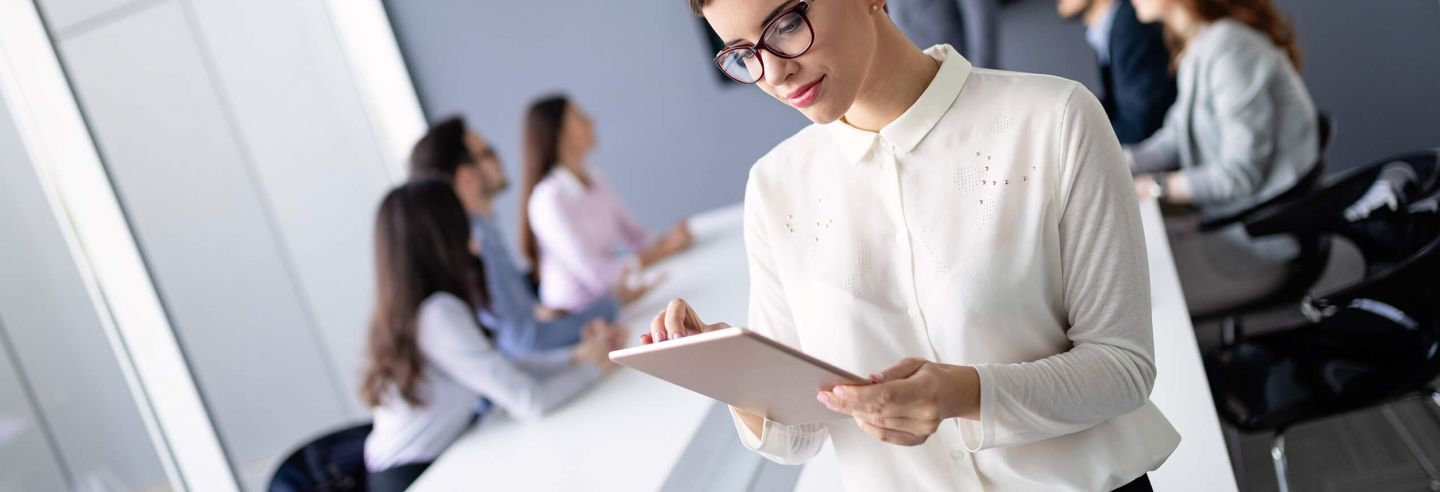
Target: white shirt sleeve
x=1110, y=369
x=547, y=363
x=453, y=343
x=770, y=316
x=635, y=234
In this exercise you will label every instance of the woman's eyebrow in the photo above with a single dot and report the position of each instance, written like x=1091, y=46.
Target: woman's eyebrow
x=767, y=20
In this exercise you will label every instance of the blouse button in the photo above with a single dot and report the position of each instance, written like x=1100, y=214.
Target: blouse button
x=912, y=312
x=900, y=238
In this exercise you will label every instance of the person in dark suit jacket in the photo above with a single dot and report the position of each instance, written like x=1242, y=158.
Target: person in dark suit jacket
x=1134, y=65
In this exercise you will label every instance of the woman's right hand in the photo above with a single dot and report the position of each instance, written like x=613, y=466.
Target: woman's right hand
x=677, y=320
x=597, y=339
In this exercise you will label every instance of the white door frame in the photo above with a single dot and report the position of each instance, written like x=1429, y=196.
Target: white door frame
x=85, y=207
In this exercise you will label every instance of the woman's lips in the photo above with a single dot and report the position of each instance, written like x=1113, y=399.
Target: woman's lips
x=805, y=96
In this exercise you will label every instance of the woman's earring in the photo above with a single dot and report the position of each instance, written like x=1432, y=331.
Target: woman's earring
x=874, y=8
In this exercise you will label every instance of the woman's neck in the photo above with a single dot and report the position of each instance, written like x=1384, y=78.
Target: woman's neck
x=898, y=76
x=1183, y=24
x=576, y=166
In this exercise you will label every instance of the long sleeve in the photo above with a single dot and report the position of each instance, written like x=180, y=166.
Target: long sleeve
x=1110, y=368
x=511, y=312
x=635, y=234
x=512, y=304
x=565, y=330
x=546, y=364
x=770, y=316
x=1159, y=153
x=1142, y=89
x=1245, y=111
x=558, y=228
x=454, y=344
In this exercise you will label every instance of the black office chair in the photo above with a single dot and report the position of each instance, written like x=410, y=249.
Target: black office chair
x=1368, y=343
x=334, y=462
x=1306, y=268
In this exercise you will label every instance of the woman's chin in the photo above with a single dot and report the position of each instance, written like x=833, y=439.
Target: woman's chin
x=822, y=114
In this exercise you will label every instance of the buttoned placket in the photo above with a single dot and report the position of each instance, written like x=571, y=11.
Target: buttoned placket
x=889, y=158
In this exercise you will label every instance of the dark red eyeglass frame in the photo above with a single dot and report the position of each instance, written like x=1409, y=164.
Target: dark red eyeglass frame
x=801, y=8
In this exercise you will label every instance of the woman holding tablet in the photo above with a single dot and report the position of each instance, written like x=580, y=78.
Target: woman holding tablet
x=971, y=236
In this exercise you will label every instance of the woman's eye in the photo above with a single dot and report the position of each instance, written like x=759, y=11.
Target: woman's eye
x=788, y=25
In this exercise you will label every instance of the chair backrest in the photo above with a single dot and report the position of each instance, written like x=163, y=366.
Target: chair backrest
x=1322, y=209
x=1307, y=183
x=1398, y=246
x=334, y=462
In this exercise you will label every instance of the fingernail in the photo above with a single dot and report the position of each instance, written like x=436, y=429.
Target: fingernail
x=839, y=391
x=825, y=399
x=877, y=377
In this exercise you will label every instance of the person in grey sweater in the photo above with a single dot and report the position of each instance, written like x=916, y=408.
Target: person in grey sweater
x=1243, y=129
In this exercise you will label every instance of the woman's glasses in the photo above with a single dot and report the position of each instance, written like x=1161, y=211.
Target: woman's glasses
x=788, y=35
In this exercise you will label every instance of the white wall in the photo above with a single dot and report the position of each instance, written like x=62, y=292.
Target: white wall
x=67, y=416
x=249, y=169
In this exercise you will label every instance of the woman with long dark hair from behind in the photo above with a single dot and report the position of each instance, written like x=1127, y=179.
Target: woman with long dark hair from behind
x=1242, y=131
x=571, y=220
x=430, y=360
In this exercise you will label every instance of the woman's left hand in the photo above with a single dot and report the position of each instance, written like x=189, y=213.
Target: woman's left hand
x=908, y=401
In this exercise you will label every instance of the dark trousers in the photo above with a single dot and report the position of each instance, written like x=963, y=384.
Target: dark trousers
x=395, y=479
x=1141, y=484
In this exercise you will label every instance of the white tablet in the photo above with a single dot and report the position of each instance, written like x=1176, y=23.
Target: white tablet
x=744, y=369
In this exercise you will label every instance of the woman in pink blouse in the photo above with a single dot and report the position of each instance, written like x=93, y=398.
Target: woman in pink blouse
x=572, y=223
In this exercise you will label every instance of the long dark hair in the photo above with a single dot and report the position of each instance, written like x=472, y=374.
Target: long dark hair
x=543, y=124
x=422, y=247
x=1261, y=15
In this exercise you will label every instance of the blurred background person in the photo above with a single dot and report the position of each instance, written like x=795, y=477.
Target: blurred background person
x=452, y=152
x=970, y=26
x=1134, y=65
x=572, y=222
x=1243, y=129
x=430, y=359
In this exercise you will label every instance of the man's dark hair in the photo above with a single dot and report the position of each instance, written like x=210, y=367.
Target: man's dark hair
x=441, y=150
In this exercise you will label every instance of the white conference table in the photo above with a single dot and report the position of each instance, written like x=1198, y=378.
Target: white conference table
x=628, y=432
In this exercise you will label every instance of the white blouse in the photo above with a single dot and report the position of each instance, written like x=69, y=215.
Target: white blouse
x=461, y=367
x=992, y=224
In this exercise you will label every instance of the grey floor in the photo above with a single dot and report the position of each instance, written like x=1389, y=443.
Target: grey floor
x=1355, y=452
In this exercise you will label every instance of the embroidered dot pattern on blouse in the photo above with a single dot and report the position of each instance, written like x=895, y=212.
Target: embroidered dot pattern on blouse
x=1004, y=125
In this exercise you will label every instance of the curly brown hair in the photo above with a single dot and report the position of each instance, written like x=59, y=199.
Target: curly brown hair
x=1262, y=15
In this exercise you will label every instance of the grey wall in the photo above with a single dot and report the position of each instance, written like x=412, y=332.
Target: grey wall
x=644, y=76
x=240, y=149
x=673, y=139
